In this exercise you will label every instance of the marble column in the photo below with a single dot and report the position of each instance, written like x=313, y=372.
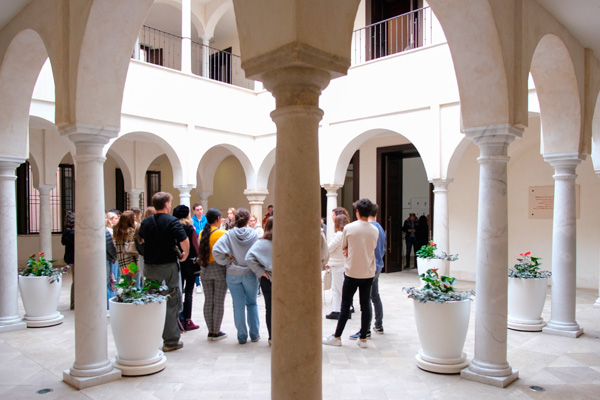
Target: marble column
x=296, y=325
x=257, y=200
x=92, y=366
x=332, y=194
x=135, y=197
x=45, y=220
x=204, y=200
x=440, y=220
x=206, y=57
x=184, y=194
x=564, y=246
x=489, y=364
x=9, y=284
x=186, y=36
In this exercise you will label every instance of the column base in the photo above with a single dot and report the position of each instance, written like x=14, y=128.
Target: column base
x=12, y=325
x=525, y=326
x=498, y=381
x=597, y=303
x=42, y=322
x=83, y=382
x=552, y=330
x=147, y=367
x=441, y=366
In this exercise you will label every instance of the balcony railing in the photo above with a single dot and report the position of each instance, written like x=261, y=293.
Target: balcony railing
x=395, y=35
x=161, y=48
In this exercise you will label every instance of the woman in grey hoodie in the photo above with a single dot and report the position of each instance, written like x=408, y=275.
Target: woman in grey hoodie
x=260, y=261
x=230, y=250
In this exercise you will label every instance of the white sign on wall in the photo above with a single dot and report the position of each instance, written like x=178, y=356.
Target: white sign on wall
x=541, y=202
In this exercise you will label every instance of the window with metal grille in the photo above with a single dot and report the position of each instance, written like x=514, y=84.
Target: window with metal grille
x=62, y=199
x=152, y=184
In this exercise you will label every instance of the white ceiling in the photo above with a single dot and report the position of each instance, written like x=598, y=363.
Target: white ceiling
x=580, y=17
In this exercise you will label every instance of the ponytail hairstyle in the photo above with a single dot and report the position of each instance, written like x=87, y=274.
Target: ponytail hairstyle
x=242, y=216
x=212, y=215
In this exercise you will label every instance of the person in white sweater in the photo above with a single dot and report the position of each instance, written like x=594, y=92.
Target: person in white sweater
x=358, y=244
x=337, y=264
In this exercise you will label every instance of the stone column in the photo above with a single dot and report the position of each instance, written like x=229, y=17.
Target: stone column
x=206, y=57
x=9, y=283
x=332, y=194
x=564, y=246
x=296, y=325
x=134, y=198
x=204, y=200
x=186, y=37
x=45, y=220
x=440, y=220
x=256, y=199
x=92, y=366
x=184, y=194
x=489, y=364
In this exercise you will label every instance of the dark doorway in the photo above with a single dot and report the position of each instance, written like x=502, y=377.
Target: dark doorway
x=390, y=197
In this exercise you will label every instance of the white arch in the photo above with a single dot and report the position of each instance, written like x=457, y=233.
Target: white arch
x=210, y=162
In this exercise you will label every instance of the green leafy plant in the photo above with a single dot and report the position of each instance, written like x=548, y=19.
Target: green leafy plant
x=438, y=289
x=129, y=290
x=528, y=267
x=43, y=267
x=430, y=250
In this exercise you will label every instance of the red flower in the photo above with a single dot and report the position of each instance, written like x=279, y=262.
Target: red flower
x=125, y=271
x=525, y=254
x=432, y=244
x=435, y=269
x=41, y=254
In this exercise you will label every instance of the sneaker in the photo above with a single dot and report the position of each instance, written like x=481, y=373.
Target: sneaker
x=357, y=335
x=199, y=289
x=210, y=336
x=219, y=336
x=378, y=330
x=332, y=341
x=362, y=343
x=172, y=347
x=333, y=315
x=256, y=339
x=190, y=325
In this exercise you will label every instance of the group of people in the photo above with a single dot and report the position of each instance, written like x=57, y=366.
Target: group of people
x=235, y=253
x=230, y=255
x=356, y=259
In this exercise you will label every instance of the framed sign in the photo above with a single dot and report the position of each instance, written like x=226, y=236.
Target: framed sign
x=541, y=202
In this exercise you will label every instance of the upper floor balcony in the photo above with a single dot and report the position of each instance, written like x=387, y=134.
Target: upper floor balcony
x=415, y=29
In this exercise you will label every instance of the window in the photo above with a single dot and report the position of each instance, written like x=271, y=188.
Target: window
x=152, y=184
x=62, y=199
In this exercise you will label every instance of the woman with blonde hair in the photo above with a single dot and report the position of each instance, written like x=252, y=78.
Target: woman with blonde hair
x=230, y=221
x=123, y=233
x=337, y=264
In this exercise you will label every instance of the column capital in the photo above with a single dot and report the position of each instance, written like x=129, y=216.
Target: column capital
x=45, y=188
x=8, y=165
x=183, y=188
x=81, y=133
x=493, y=140
x=331, y=189
x=294, y=86
x=256, y=196
x=441, y=184
x=564, y=159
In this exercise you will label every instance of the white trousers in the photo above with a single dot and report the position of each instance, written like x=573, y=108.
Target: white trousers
x=337, y=282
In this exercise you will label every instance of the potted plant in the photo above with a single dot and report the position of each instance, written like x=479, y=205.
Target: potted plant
x=442, y=318
x=40, y=283
x=430, y=257
x=137, y=319
x=527, y=287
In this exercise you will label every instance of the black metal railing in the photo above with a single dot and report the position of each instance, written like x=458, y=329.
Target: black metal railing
x=395, y=35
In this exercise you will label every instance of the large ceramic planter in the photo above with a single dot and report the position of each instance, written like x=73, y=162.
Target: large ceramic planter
x=526, y=298
x=442, y=329
x=137, y=331
x=424, y=264
x=40, y=299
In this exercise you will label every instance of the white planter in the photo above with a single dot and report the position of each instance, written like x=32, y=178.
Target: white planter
x=442, y=329
x=526, y=298
x=423, y=264
x=137, y=331
x=40, y=299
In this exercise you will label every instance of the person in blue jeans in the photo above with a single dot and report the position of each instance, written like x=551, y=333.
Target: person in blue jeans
x=230, y=250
